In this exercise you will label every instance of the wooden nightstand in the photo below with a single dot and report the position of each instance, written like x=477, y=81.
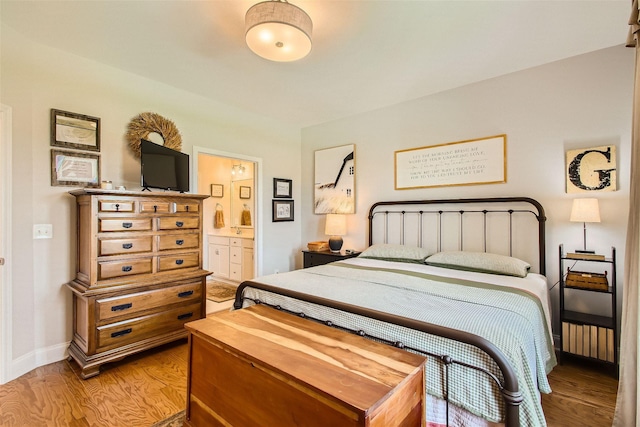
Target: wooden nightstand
x=311, y=258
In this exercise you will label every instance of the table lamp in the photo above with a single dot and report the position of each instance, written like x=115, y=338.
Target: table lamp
x=336, y=227
x=585, y=210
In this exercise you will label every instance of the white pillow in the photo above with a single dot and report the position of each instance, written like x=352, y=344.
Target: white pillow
x=483, y=262
x=402, y=253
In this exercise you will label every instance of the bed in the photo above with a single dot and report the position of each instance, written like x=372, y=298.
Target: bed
x=460, y=281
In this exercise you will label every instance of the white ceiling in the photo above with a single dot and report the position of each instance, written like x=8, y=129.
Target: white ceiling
x=366, y=54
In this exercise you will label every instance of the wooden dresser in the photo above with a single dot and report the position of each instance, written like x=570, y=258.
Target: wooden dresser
x=139, y=274
x=262, y=367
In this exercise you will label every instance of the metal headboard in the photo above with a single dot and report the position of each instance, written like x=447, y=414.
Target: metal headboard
x=412, y=222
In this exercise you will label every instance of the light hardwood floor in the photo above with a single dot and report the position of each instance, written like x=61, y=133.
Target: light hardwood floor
x=146, y=388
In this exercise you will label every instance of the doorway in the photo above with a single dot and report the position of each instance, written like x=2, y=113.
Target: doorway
x=232, y=213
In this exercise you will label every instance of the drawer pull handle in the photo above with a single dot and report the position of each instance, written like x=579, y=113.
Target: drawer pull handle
x=127, y=225
x=155, y=208
x=185, y=294
x=117, y=207
x=127, y=268
x=179, y=223
x=185, y=316
x=179, y=242
x=179, y=261
x=121, y=333
x=187, y=208
x=127, y=245
x=121, y=307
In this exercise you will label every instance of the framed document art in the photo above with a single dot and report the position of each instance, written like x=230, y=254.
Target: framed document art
x=282, y=188
x=75, y=169
x=334, y=180
x=77, y=131
x=245, y=192
x=282, y=210
x=217, y=190
x=471, y=162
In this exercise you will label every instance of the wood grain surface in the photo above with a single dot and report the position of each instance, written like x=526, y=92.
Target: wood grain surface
x=151, y=386
x=293, y=371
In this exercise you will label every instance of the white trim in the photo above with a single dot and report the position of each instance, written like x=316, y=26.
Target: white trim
x=258, y=230
x=7, y=372
x=37, y=358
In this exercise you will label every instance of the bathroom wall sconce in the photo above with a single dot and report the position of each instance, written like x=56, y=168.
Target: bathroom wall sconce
x=237, y=169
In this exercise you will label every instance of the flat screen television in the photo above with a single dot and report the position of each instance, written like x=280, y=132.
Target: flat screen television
x=162, y=167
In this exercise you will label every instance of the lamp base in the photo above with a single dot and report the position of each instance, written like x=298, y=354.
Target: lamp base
x=584, y=251
x=335, y=243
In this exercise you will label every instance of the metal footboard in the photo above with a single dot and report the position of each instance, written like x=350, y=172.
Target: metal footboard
x=509, y=389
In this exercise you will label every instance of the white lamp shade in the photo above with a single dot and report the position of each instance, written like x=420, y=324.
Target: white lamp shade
x=278, y=31
x=336, y=225
x=585, y=210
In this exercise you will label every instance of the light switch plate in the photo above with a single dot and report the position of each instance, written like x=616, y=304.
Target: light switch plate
x=42, y=231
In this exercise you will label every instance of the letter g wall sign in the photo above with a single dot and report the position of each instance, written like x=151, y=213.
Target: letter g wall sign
x=591, y=169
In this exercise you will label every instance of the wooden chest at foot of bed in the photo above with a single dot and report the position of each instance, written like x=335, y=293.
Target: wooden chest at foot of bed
x=259, y=366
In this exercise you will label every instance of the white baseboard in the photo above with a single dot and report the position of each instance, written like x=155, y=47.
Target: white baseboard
x=37, y=358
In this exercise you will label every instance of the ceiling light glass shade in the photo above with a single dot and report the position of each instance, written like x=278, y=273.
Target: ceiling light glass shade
x=278, y=31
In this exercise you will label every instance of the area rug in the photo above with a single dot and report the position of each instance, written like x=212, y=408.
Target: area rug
x=220, y=292
x=175, y=420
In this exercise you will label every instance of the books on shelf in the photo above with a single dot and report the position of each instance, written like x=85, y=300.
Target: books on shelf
x=588, y=340
x=594, y=257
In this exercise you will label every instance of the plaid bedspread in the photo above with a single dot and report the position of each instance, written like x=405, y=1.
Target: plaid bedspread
x=512, y=319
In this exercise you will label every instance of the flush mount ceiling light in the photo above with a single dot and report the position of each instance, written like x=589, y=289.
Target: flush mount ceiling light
x=278, y=31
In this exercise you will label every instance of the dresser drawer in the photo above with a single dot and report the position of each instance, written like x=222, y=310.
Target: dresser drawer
x=125, y=224
x=127, y=267
x=187, y=207
x=235, y=255
x=178, y=241
x=218, y=240
x=130, y=305
x=133, y=330
x=155, y=207
x=235, y=272
x=124, y=246
x=173, y=262
x=116, y=206
x=177, y=223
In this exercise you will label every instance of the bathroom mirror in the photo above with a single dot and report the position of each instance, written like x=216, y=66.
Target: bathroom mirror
x=242, y=198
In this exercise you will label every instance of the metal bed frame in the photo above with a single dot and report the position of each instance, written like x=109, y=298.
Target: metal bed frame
x=384, y=211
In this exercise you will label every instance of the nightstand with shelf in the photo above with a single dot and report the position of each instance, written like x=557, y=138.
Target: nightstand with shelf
x=587, y=335
x=314, y=258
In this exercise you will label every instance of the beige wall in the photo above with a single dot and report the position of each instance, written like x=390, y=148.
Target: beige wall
x=576, y=103
x=35, y=79
x=580, y=102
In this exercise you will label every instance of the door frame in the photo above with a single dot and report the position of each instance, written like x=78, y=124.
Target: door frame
x=257, y=177
x=6, y=338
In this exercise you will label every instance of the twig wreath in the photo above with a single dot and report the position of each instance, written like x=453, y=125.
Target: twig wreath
x=145, y=123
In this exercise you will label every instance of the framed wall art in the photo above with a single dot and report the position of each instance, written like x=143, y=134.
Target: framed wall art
x=217, y=190
x=245, y=192
x=471, y=162
x=334, y=180
x=591, y=169
x=282, y=210
x=77, y=131
x=75, y=169
x=282, y=188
